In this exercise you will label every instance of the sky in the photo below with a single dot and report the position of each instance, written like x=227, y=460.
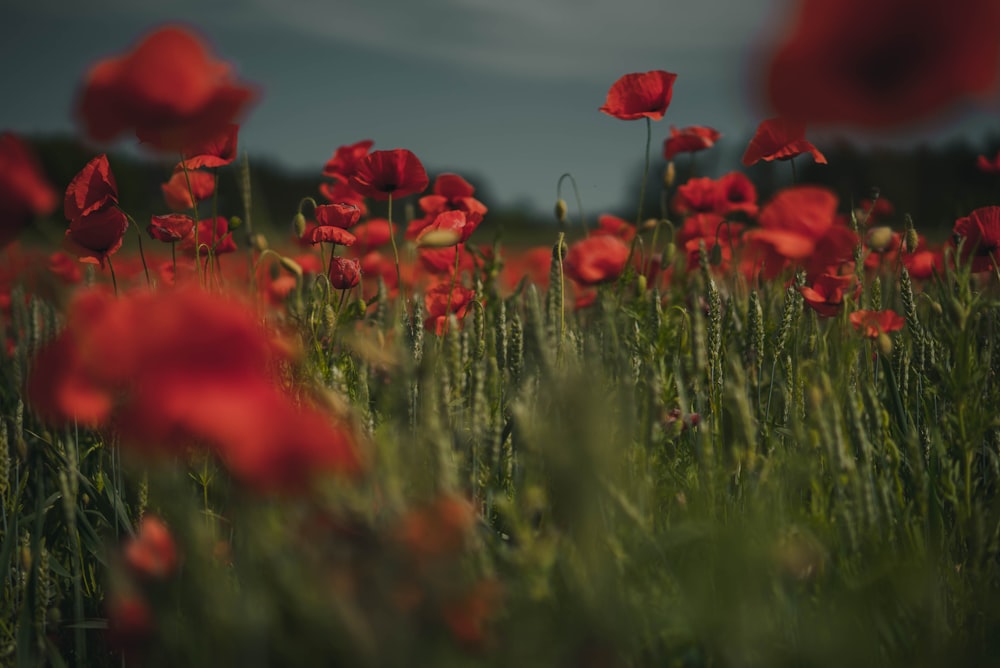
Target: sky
x=503, y=91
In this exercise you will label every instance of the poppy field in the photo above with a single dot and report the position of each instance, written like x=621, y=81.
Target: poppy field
x=730, y=431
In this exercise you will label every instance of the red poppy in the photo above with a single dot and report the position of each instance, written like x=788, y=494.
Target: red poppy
x=615, y=227
x=395, y=173
x=177, y=194
x=346, y=158
x=345, y=273
x=24, y=190
x=212, y=235
x=698, y=195
x=168, y=89
x=595, y=260
x=330, y=235
x=96, y=226
x=441, y=261
x=166, y=385
x=337, y=215
x=218, y=151
x=372, y=234
x=712, y=230
x=641, y=94
x=989, y=166
x=780, y=139
x=437, y=529
x=736, y=194
x=340, y=192
x=981, y=233
x=689, y=140
x=170, y=228
x=443, y=300
x=152, y=552
x=92, y=189
x=884, y=63
x=791, y=227
x=453, y=193
x=65, y=267
x=826, y=294
x=454, y=222
x=873, y=323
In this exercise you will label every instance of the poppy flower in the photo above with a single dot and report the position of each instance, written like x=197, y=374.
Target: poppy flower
x=168, y=89
x=712, y=230
x=791, y=226
x=436, y=529
x=873, y=323
x=67, y=269
x=97, y=226
x=689, y=140
x=826, y=294
x=177, y=194
x=337, y=215
x=384, y=174
x=218, y=151
x=24, y=190
x=139, y=363
x=441, y=261
x=346, y=158
x=877, y=64
x=345, y=273
x=639, y=95
x=372, y=234
x=442, y=300
x=594, y=260
x=170, y=228
x=984, y=164
x=339, y=191
x=697, y=195
x=980, y=231
x=780, y=139
x=213, y=235
x=455, y=222
x=615, y=227
x=152, y=552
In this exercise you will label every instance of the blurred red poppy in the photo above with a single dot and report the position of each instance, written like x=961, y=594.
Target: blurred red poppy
x=615, y=227
x=989, y=166
x=212, y=235
x=594, y=260
x=371, y=234
x=152, y=552
x=445, y=299
x=24, y=190
x=874, y=64
x=346, y=158
x=168, y=89
x=181, y=368
x=791, y=227
x=689, y=140
x=780, y=139
x=218, y=151
x=873, y=323
x=639, y=95
x=395, y=173
x=65, y=267
x=177, y=194
x=980, y=231
x=698, y=195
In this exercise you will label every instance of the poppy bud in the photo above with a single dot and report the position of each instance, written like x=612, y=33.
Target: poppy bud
x=884, y=344
x=438, y=239
x=669, y=253
x=641, y=284
x=234, y=222
x=561, y=210
x=912, y=240
x=879, y=238
x=715, y=255
x=299, y=225
x=260, y=242
x=670, y=175
x=291, y=266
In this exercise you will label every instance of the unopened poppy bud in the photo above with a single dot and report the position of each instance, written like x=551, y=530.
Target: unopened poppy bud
x=438, y=239
x=879, y=238
x=912, y=240
x=641, y=284
x=291, y=266
x=670, y=175
x=715, y=255
x=260, y=242
x=234, y=222
x=648, y=224
x=669, y=253
x=884, y=344
x=935, y=306
x=299, y=225
x=561, y=210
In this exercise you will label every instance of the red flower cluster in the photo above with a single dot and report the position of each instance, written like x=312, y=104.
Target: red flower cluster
x=24, y=190
x=183, y=368
x=452, y=195
x=169, y=90
x=884, y=63
x=96, y=224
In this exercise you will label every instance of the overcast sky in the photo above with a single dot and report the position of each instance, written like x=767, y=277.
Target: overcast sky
x=505, y=90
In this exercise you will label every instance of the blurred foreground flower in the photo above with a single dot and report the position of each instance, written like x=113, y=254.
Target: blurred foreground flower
x=169, y=90
x=177, y=369
x=24, y=190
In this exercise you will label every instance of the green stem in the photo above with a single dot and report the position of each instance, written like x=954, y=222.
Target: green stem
x=395, y=250
x=645, y=174
x=114, y=281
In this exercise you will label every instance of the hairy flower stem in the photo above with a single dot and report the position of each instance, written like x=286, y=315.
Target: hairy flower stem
x=395, y=250
x=194, y=212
